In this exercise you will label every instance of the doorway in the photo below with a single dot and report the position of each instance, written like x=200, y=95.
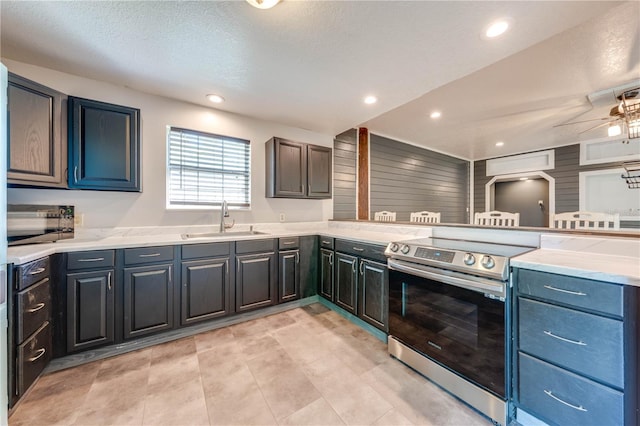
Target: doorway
x=529, y=197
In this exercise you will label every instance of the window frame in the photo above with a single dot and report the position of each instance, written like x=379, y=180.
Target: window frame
x=217, y=204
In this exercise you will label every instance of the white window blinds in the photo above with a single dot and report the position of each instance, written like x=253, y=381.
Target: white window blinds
x=205, y=169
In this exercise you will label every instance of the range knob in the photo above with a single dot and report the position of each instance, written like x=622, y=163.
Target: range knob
x=469, y=259
x=488, y=262
x=394, y=247
x=405, y=249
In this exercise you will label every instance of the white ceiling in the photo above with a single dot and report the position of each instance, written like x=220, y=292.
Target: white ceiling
x=309, y=64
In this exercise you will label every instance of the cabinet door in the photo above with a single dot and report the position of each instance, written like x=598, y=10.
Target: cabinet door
x=326, y=274
x=37, y=134
x=373, y=287
x=90, y=305
x=205, y=289
x=346, y=282
x=255, y=281
x=290, y=168
x=318, y=171
x=104, y=146
x=289, y=271
x=148, y=300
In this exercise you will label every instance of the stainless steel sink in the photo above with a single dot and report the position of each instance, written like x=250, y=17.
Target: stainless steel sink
x=226, y=234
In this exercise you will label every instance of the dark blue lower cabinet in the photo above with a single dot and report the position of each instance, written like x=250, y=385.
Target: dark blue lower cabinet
x=256, y=277
x=148, y=300
x=205, y=290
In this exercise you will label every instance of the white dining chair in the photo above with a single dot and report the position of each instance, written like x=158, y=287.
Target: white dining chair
x=496, y=218
x=425, y=217
x=585, y=220
x=384, y=216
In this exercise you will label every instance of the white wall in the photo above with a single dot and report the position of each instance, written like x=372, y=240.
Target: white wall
x=122, y=209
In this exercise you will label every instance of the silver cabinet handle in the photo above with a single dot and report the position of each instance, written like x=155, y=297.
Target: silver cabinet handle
x=575, y=342
x=226, y=266
x=578, y=407
x=358, y=249
x=575, y=293
x=361, y=267
x=109, y=281
x=308, y=189
x=331, y=258
x=36, y=308
x=37, y=271
x=238, y=265
x=297, y=257
x=93, y=259
x=150, y=255
x=326, y=242
x=75, y=174
x=40, y=352
x=170, y=275
x=353, y=266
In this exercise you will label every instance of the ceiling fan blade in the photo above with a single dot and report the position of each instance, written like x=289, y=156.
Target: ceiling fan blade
x=594, y=127
x=584, y=121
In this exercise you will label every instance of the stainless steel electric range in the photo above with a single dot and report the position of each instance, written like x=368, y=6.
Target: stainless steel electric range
x=448, y=316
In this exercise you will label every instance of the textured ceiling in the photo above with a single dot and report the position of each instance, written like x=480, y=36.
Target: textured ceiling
x=309, y=64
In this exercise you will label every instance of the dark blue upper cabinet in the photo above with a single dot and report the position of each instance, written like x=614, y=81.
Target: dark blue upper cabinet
x=104, y=146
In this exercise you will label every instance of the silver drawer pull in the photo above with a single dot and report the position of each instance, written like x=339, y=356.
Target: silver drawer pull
x=36, y=308
x=288, y=242
x=150, y=255
x=358, y=249
x=575, y=293
x=40, y=353
x=575, y=342
x=93, y=259
x=579, y=407
x=326, y=242
x=37, y=271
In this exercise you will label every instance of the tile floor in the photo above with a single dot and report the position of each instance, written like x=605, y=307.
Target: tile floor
x=307, y=366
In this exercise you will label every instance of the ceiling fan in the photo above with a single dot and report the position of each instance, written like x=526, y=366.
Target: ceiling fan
x=624, y=115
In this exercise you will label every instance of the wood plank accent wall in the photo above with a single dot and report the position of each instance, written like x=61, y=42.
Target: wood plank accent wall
x=566, y=174
x=344, y=174
x=406, y=178
x=363, y=173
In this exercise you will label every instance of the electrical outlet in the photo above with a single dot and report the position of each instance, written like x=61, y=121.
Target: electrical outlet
x=282, y=217
x=78, y=219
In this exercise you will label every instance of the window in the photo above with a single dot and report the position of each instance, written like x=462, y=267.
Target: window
x=204, y=169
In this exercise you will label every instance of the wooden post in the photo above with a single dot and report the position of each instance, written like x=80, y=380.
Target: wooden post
x=363, y=173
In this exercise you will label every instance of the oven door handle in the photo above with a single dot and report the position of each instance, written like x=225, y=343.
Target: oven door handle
x=477, y=284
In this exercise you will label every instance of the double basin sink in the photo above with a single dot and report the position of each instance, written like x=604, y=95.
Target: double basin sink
x=226, y=234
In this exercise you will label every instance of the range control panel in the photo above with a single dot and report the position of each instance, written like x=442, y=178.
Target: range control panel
x=432, y=254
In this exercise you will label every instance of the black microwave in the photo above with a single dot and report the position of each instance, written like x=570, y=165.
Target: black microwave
x=29, y=223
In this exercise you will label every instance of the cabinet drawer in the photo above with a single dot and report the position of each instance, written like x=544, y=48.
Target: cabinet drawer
x=585, y=343
x=133, y=256
x=32, y=357
x=371, y=251
x=32, y=272
x=255, y=246
x=288, y=243
x=33, y=308
x=91, y=259
x=326, y=242
x=593, y=295
x=564, y=398
x=199, y=251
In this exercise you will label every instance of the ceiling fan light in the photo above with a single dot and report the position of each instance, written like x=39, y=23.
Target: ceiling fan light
x=263, y=4
x=614, y=130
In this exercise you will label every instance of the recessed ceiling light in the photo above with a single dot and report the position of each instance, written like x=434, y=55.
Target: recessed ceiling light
x=436, y=114
x=370, y=100
x=263, y=4
x=216, y=99
x=497, y=28
x=499, y=144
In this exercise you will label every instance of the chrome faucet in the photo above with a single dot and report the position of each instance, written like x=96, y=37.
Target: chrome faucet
x=224, y=212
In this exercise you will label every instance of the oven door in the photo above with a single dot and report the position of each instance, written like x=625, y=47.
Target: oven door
x=461, y=329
